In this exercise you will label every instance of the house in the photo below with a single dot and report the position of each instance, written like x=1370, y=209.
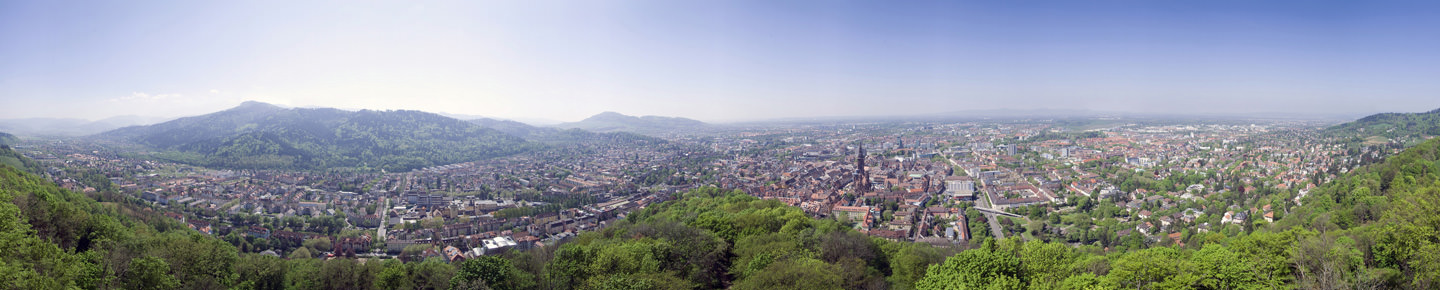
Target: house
x=258, y=232
x=453, y=254
x=849, y=212
x=1175, y=237
x=1145, y=228
x=350, y=246
x=497, y=245
x=960, y=187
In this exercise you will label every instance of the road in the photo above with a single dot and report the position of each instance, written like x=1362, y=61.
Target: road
x=384, y=219
x=995, y=228
x=984, y=202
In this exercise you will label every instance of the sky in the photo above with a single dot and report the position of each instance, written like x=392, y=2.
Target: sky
x=718, y=61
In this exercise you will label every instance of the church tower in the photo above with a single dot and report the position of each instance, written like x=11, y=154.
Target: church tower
x=862, y=179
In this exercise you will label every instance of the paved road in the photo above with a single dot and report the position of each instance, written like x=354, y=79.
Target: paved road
x=384, y=219
x=995, y=228
x=984, y=202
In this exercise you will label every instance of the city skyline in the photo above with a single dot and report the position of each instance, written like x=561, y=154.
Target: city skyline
x=717, y=62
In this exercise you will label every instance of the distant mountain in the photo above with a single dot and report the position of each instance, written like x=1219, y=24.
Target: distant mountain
x=555, y=136
x=616, y=122
x=260, y=135
x=1411, y=127
x=71, y=127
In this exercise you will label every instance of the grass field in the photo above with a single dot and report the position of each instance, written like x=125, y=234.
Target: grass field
x=1376, y=140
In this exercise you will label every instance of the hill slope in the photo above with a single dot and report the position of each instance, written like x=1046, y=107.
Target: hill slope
x=52, y=238
x=1409, y=128
x=259, y=135
x=7, y=139
x=513, y=128
x=616, y=122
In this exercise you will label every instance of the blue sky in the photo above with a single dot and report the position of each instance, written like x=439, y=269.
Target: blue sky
x=718, y=60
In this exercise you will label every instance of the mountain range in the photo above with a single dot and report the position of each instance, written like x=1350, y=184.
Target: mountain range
x=260, y=135
x=72, y=127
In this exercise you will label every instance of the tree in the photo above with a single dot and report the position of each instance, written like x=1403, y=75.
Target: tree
x=975, y=269
x=1160, y=268
x=1046, y=263
x=801, y=273
x=433, y=273
x=262, y=272
x=303, y=274
x=393, y=275
x=301, y=253
x=318, y=244
x=491, y=271
x=1219, y=268
x=908, y=265
x=149, y=272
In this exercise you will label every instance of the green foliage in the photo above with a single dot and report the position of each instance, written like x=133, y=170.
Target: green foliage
x=975, y=269
x=149, y=273
x=1392, y=125
x=710, y=238
x=801, y=273
x=491, y=271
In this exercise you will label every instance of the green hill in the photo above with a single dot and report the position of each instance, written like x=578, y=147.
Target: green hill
x=52, y=238
x=711, y=239
x=1408, y=128
x=259, y=135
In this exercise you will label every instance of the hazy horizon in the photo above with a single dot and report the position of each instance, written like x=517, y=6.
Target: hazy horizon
x=717, y=62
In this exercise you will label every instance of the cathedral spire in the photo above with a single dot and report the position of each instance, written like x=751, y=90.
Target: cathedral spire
x=862, y=179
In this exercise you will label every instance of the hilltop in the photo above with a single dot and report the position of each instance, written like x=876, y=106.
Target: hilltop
x=617, y=122
x=260, y=135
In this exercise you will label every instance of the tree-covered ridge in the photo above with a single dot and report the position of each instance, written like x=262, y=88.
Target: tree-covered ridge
x=52, y=238
x=257, y=135
x=1408, y=126
x=710, y=238
x=1372, y=228
x=8, y=156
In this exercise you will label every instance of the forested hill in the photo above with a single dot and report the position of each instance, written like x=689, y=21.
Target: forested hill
x=1404, y=127
x=52, y=238
x=259, y=135
x=714, y=239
